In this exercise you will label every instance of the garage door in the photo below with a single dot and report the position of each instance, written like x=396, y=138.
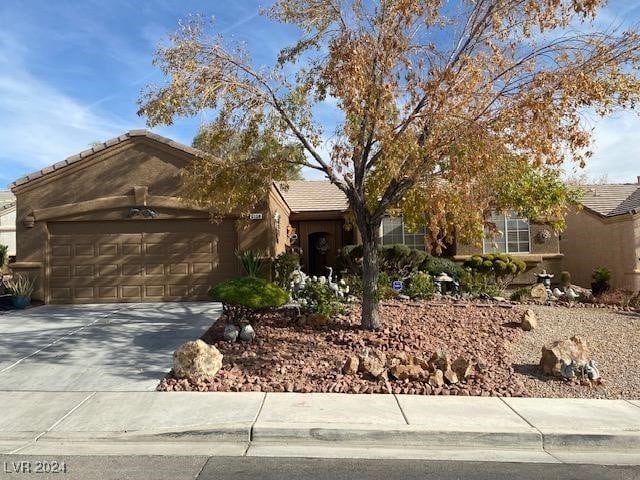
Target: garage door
x=138, y=261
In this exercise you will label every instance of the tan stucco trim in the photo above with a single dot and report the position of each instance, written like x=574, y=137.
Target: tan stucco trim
x=320, y=215
x=276, y=191
x=26, y=265
x=106, y=203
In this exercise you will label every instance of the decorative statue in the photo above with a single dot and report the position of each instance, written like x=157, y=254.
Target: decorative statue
x=333, y=286
x=299, y=280
x=590, y=370
x=568, y=370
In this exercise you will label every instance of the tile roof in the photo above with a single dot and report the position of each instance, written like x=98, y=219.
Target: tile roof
x=313, y=196
x=610, y=200
x=102, y=146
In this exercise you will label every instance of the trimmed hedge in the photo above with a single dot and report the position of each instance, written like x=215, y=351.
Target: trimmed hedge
x=244, y=299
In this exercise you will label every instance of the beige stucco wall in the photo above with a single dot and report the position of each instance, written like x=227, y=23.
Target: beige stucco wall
x=8, y=229
x=103, y=187
x=591, y=241
x=279, y=214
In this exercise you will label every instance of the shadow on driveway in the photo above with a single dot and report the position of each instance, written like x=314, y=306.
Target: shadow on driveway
x=124, y=347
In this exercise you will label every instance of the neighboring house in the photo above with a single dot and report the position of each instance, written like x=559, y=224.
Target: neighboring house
x=605, y=232
x=107, y=225
x=8, y=221
x=532, y=241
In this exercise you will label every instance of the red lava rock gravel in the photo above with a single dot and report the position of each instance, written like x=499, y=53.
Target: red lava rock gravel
x=286, y=357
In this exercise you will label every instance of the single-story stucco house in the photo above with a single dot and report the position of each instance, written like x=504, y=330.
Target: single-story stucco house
x=107, y=225
x=8, y=221
x=605, y=232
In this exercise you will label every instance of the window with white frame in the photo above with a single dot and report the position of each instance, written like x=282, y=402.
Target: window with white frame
x=513, y=234
x=394, y=231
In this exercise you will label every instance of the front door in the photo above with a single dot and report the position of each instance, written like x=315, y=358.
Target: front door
x=321, y=253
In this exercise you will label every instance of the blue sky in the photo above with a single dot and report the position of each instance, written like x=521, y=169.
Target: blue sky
x=71, y=72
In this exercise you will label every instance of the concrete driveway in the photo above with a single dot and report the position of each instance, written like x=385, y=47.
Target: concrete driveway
x=121, y=347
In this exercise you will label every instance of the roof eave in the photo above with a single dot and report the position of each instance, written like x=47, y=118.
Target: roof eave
x=128, y=136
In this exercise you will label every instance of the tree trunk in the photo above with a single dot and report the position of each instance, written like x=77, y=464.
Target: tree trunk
x=370, y=272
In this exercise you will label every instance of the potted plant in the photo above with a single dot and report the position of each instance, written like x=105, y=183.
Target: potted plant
x=21, y=288
x=600, y=284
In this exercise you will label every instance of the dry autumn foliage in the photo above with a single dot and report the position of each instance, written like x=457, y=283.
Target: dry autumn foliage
x=439, y=99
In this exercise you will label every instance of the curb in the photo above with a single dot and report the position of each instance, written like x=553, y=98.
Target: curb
x=408, y=436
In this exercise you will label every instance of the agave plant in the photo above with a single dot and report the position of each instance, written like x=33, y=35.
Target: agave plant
x=20, y=285
x=252, y=262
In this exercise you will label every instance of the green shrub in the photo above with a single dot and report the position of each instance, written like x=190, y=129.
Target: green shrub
x=398, y=261
x=421, y=286
x=350, y=260
x=519, y=295
x=284, y=265
x=317, y=297
x=479, y=284
x=252, y=262
x=494, y=269
x=246, y=299
x=385, y=291
x=437, y=265
x=354, y=284
x=601, y=277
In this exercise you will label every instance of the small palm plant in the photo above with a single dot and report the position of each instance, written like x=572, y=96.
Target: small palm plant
x=252, y=262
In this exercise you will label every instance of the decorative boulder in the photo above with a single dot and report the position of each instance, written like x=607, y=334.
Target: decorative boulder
x=557, y=355
x=196, y=361
x=464, y=368
x=539, y=293
x=373, y=363
x=247, y=334
x=584, y=294
x=351, y=365
x=440, y=360
x=529, y=321
x=450, y=376
x=317, y=320
x=410, y=372
x=436, y=379
x=231, y=333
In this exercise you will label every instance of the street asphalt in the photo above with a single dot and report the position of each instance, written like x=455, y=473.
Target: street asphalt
x=245, y=468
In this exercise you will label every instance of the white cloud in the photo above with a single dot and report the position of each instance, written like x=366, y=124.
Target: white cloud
x=616, y=148
x=41, y=125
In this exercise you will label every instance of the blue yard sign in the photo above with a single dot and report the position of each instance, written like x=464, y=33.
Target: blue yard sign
x=396, y=285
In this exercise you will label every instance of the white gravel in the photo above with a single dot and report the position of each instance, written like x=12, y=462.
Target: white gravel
x=612, y=340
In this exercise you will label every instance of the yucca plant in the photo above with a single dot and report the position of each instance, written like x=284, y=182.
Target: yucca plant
x=20, y=285
x=252, y=262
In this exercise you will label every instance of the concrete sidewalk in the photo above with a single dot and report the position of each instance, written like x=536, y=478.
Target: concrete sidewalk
x=321, y=425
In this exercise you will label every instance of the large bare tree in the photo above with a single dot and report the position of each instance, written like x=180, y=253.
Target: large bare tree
x=438, y=100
